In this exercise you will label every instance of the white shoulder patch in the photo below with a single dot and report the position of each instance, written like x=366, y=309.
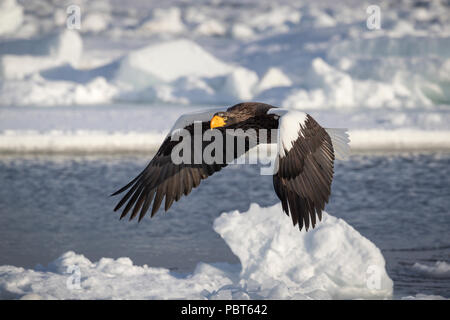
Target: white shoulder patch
x=189, y=118
x=289, y=127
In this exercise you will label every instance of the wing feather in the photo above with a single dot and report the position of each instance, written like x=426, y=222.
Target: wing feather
x=305, y=171
x=162, y=179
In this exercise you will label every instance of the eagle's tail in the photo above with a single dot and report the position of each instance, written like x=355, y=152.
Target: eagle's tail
x=340, y=140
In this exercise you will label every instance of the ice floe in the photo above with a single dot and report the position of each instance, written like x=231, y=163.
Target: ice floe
x=332, y=261
x=440, y=269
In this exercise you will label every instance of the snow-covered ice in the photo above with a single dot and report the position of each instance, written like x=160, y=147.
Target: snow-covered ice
x=440, y=269
x=24, y=57
x=332, y=261
x=167, y=62
x=316, y=55
x=11, y=16
x=117, y=128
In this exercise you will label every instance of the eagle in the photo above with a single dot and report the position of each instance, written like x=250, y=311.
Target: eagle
x=304, y=164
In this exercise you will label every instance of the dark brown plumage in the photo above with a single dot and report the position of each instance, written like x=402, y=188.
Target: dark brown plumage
x=302, y=182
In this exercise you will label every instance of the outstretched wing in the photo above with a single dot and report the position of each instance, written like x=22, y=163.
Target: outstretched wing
x=162, y=178
x=305, y=167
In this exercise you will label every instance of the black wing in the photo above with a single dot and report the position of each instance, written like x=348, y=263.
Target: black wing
x=304, y=176
x=162, y=178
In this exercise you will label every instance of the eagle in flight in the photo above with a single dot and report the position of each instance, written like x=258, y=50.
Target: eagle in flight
x=304, y=160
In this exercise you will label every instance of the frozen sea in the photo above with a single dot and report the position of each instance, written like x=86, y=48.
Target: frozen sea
x=53, y=204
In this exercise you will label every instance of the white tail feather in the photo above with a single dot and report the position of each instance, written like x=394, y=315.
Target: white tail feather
x=340, y=140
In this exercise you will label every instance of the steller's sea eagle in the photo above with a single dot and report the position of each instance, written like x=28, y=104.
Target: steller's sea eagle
x=305, y=160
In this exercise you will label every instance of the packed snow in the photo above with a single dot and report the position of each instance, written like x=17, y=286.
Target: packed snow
x=118, y=128
x=332, y=261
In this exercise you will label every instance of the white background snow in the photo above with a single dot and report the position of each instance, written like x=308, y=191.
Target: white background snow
x=390, y=86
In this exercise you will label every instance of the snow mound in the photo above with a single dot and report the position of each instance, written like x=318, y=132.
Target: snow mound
x=11, y=16
x=241, y=31
x=19, y=58
x=440, y=269
x=163, y=21
x=211, y=28
x=332, y=261
x=168, y=61
x=241, y=83
x=181, y=71
x=330, y=87
x=96, y=22
x=274, y=77
x=276, y=18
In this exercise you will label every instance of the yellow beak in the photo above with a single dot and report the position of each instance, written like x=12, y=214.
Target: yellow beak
x=217, y=121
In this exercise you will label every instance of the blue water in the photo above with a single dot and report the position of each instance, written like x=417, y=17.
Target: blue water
x=51, y=204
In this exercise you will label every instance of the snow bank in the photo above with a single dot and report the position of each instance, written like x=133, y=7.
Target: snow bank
x=119, y=128
x=440, y=269
x=332, y=261
x=80, y=140
x=38, y=91
x=399, y=139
